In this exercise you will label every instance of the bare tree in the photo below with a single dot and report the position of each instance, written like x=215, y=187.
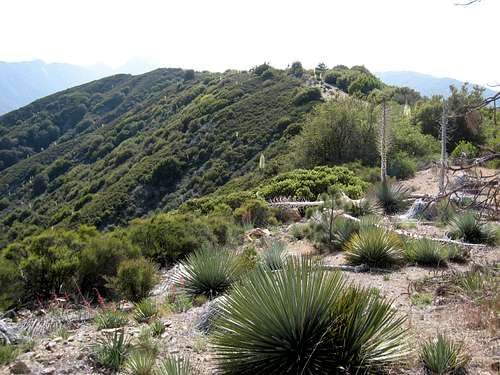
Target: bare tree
x=443, y=163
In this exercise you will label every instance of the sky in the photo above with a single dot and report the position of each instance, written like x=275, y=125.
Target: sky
x=429, y=36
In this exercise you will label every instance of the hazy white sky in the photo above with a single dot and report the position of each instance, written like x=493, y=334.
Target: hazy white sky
x=429, y=36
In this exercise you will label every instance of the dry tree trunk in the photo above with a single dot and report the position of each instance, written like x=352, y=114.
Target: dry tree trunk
x=384, y=141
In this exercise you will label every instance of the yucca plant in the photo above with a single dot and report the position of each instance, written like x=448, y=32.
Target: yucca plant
x=274, y=255
x=457, y=254
x=145, y=310
x=425, y=252
x=443, y=356
x=157, y=327
x=111, y=350
x=140, y=363
x=209, y=272
x=469, y=228
x=472, y=282
x=333, y=234
x=107, y=319
x=375, y=247
x=392, y=197
x=299, y=320
x=146, y=342
x=175, y=366
x=363, y=207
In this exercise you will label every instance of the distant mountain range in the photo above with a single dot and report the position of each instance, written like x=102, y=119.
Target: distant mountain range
x=424, y=83
x=23, y=82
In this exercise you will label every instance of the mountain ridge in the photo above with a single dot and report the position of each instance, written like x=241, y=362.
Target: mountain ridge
x=426, y=84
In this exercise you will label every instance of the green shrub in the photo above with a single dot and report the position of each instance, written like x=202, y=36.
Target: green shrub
x=464, y=150
x=134, y=279
x=274, y=255
x=254, y=211
x=12, y=290
x=391, y=197
x=309, y=184
x=421, y=299
x=176, y=366
x=442, y=356
x=306, y=95
x=145, y=310
x=166, y=238
x=52, y=262
x=426, y=252
x=99, y=261
x=111, y=350
x=209, y=272
x=304, y=320
x=469, y=228
x=374, y=247
x=401, y=166
x=110, y=319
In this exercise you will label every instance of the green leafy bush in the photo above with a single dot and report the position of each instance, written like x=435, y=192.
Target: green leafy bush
x=304, y=320
x=469, y=228
x=401, y=166
x=134, y=279
x=100, y=258
x=51, y=262
x=442, y=356
x=306, y=95
x=391, y=197
x=209, y=272
x=254, y=211
x=110, y=319
x=166, y=238
x=426, y=252
x=374, y=247
x=464, y=150
x=12, y=290
x=309, y=184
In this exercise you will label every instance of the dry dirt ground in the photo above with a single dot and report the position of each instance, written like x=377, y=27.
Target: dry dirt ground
x=463, y=319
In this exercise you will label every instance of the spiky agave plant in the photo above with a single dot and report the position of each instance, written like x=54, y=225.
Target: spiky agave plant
x=392, y=197
x=469, y=228
x=111, y=350
x=110, y=319
x=175, y=366
x=443, y=356
x=145, y=310
x=209, y=272
x=299, y=320
x=375, y=247
x=140, y=363
x=274, y=255
x=426, y=252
